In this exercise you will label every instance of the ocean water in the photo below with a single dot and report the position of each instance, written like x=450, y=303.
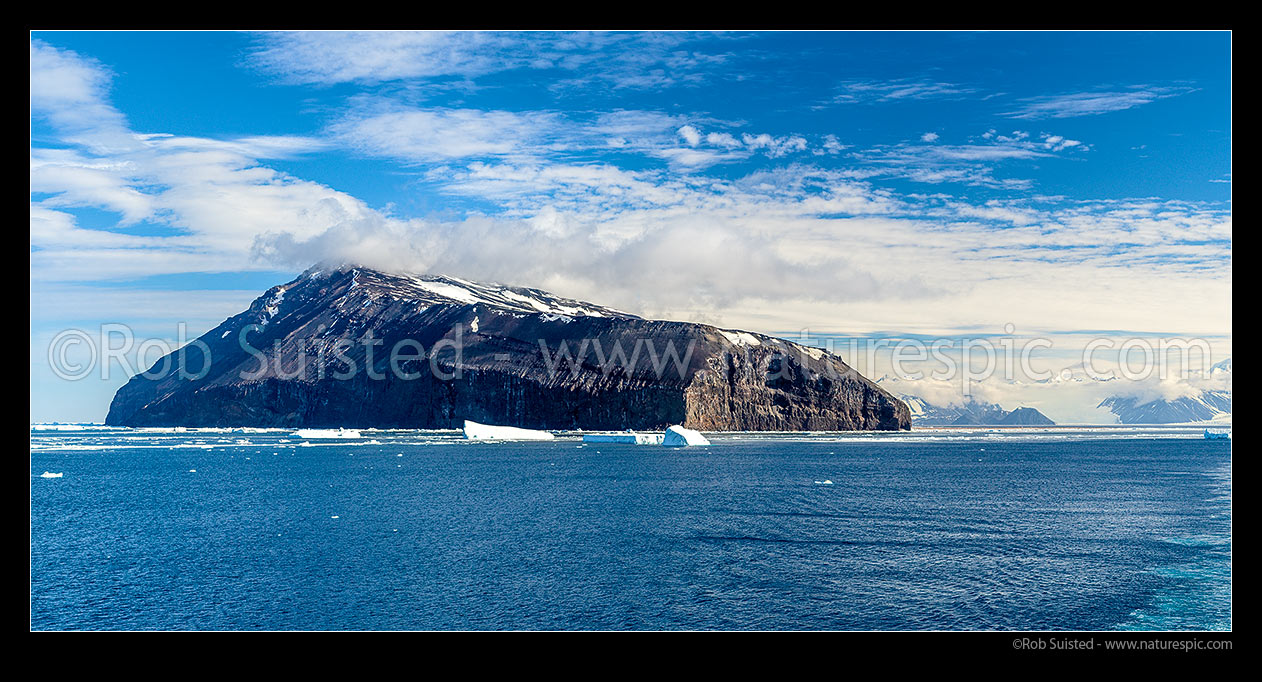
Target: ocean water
x=944, y=529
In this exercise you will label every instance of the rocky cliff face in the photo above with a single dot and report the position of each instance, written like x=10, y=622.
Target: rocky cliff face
x=358, y=348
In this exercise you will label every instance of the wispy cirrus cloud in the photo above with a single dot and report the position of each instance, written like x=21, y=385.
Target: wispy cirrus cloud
x=625, y=60
x=973, y=162
x=71, y=92
x=1092, y=103
x=437, y=134
x=331, y=57
x=877, y=91
x=416, y=135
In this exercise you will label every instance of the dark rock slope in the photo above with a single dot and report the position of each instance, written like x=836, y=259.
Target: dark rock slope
x=502, y=355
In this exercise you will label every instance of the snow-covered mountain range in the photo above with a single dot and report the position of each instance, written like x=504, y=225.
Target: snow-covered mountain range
x=1203, y=401
x=1074, y=395
x=972, y=413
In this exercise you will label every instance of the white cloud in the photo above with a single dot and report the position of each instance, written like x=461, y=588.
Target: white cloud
x=899, y=89
x=71, y=93
x=774, y=147
x=206, y=198
x=723, y=140
x=621, y=60
x=1092, y=103
x=427, y=135
x=778, y=248
x=974, y=163
x=1057, y=143
x=690, y=135
x=328, y=57
x=1070, y=396
x=831, y=145
x=435, y=135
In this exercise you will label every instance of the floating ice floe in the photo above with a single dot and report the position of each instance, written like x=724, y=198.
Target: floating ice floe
x=678, y=436
x=629, y=438
x=325, y=433
x=476, y=431
x=49, y=474
x=77, y=426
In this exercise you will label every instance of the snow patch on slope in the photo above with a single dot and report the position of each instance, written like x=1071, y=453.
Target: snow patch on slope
x=738, y=338
x=272, y=307
x=815, y=353
x=451, y=291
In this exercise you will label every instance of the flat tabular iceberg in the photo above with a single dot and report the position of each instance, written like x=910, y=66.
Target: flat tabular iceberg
x=476, y=431
x=677, y=436
x=325, y=433
x=629, y=438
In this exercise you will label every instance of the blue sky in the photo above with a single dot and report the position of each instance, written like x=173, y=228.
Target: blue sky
x=856, y=184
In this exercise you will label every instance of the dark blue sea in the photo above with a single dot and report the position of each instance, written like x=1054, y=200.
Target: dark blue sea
x=1111, y=529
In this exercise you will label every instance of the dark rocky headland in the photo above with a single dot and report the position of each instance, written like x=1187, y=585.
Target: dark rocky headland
x=489, y=353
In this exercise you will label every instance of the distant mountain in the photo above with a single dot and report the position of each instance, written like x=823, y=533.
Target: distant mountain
x=1027, y=416
x=1206, y=405
x=489, y=353
x=924, y=413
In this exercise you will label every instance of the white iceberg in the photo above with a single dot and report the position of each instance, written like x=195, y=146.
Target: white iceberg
x=628, y=438
x=678, y=436
x=476, y=431
x=324, y=433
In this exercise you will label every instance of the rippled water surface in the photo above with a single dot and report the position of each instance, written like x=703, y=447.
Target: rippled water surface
x=936, y=529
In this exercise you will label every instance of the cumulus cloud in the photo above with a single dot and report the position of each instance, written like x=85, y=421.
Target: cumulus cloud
x=704, y=263
x=690, y=135
x=1057, y=143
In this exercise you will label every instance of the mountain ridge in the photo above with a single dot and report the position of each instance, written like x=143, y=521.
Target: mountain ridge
x=1204, y=407
x=973, y=413
x=1210, y=401
x=506, y=344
